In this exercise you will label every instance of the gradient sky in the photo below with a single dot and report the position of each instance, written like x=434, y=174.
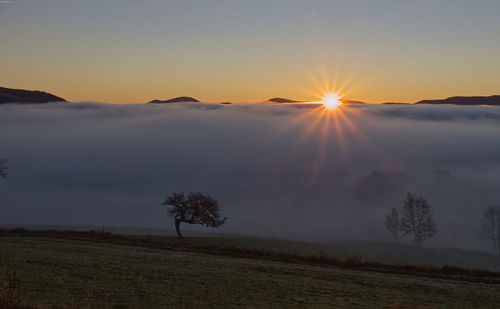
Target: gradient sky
x=123, y=51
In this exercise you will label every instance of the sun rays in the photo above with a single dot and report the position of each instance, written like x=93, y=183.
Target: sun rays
x=325, y=128
x=331, y=101
x=327, y=133
x=329, y=124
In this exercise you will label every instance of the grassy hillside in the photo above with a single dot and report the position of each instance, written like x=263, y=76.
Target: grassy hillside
x=86, y=274
x=380, y=252
x=368, y=251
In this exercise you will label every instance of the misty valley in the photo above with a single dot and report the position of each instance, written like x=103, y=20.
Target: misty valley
x=249, y=154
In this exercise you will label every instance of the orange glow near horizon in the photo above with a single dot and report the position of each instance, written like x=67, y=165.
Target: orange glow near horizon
x=330, y=124
x=330, y=101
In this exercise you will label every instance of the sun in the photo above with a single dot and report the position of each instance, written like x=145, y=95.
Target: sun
x=331, y=101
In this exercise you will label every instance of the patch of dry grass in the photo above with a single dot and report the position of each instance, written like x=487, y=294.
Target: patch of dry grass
x=61, y=273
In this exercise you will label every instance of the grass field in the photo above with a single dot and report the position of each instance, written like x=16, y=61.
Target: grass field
x=85, y=274
x=398, y=253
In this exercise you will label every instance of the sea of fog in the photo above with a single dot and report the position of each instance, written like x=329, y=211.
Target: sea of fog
x=283, y=171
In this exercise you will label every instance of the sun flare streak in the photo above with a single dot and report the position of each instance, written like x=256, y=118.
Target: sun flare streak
x=331, y=101
x=331, y=124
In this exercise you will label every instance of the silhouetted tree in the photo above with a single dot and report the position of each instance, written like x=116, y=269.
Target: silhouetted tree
x=4, y=167
x=392, y=222
x=193, y=208
x=490, y=228
x=417, y=219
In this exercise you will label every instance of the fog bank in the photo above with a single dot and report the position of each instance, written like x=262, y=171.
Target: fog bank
x=287, y=171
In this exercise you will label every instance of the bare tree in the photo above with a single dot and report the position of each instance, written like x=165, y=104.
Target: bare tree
x=392, y=222
x=4, y=167
x=490, y=228
x=193, y=208
x=417, y=219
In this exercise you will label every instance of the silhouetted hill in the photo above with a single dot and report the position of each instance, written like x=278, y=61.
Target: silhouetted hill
x=226, y=103
x=395, y=103
x=351, y=102
x=175, y=100
x=282, y=100
x=8, y=95
x=478, y=100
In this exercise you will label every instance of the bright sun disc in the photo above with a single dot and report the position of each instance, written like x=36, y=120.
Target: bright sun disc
x=331, y=101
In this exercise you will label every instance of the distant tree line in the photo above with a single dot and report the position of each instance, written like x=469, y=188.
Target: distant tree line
x=416, y=221
x=4, y=168
x=490, y=228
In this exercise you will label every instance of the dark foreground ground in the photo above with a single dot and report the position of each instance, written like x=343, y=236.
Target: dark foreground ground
x=101, y=271
x=392, y=253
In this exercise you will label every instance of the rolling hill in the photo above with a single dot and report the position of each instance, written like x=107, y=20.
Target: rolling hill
x=99, y=270
x=282, y=100
x=175, y=100
x=9, y=95
x=397, y=253
x=477, y=100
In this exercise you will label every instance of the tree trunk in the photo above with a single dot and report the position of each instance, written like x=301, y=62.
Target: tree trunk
x=418, y=240
x=497, y=236
x=178, y=228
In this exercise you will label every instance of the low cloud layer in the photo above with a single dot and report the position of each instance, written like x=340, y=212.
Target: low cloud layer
x=288, y=171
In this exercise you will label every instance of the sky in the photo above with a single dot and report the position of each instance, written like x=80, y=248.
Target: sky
x=281, y=171
x=129, y=51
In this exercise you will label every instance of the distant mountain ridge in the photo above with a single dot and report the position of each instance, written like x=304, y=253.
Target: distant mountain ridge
x=475, y=100
x=9, y=95
x=282, y=100
x=351, y=102
x=22, y=96
x=175, y=100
